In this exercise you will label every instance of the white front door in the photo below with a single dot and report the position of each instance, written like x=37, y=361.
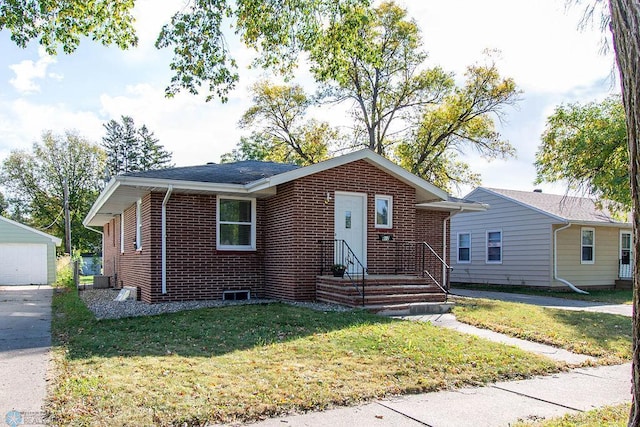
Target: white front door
x=351, y=226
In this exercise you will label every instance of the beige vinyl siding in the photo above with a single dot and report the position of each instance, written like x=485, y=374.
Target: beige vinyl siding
x=604, y=270
x=526, y=243
x=11, y=233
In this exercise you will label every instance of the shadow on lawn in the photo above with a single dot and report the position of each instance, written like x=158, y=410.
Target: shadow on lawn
x=200, y=333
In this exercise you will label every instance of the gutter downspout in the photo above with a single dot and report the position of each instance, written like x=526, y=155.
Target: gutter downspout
x=555, y=262
x=445, y=247
x=164, y=238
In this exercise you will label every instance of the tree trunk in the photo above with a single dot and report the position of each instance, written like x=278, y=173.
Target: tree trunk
x=625, y=26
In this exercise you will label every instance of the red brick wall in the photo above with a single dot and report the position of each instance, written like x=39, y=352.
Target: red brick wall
x=196, y=270
x=298, y=217
x=429, y=226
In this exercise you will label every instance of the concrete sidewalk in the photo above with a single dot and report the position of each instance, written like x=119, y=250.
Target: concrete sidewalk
x=496, y=405
x=25, y=341
x=551, y=302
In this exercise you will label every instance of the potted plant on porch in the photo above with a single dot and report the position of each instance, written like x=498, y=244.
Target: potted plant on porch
x=338, y=270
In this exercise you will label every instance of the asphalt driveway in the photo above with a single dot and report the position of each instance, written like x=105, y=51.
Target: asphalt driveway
x=25, y=343
x=551, y=302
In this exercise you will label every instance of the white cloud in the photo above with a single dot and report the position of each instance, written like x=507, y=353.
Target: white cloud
x=27, y=72
x=195, y=131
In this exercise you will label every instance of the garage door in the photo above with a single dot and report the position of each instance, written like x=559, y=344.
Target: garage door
x=23, y=264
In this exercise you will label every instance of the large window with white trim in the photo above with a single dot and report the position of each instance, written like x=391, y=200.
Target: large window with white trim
x=236, y=224
x=384, y=211
x=464, y=248
x=587, y=245
x=494, y=246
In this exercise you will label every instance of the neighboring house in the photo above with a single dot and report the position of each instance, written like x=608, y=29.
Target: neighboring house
x=539, y=240
x=269, y=230
x=27, y=255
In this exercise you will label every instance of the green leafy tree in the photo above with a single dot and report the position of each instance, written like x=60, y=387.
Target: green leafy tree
x=374, y=59
x=281, y=131
x=277, y=30
x=130, y=149
x=586, y=147
x=463, y=121
x=63, y=23
x=36, y=180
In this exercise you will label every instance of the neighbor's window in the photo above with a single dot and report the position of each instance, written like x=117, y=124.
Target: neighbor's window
x=588, y=241
x=464, y=247
x=139, y=225
x=494, y=246
x=384, y=211
x=236, y=222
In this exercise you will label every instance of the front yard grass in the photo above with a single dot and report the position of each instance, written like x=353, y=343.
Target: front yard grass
x=250, y=362
x=620, y=296
x=605, y=336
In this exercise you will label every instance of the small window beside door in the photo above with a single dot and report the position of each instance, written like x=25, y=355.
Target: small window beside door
x=384, y=211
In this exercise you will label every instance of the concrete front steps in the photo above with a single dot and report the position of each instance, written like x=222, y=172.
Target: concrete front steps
x=389, y=294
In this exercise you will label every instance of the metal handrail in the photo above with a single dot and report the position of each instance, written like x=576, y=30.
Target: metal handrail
x=444, y=263
x=349, y=259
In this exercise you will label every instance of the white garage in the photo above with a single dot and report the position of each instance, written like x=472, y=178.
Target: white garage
x=27, y=255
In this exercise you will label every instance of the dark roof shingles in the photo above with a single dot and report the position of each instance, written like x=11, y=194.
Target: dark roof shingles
x=242, y=172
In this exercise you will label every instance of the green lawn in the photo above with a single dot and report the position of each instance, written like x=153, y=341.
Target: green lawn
x=609, y=296
x=608, y=416
x=249, y=362
x=606, y=336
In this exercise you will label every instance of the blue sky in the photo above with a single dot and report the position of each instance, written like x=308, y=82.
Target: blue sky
x=542, y=49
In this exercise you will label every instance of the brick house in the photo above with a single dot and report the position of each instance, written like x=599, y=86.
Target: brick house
x=267, y=230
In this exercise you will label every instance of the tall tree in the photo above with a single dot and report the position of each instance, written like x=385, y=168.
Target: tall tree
x=463, y=121
x=586, y=147
x=374, y=58
x=625, y=26
x=37, y=179
x=281, y=131
x=64, y=23
x=130, y=149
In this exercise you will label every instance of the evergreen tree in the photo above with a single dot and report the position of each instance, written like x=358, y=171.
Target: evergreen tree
x=131, y=150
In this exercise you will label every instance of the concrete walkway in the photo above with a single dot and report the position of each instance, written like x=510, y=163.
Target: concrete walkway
x=449, y=321
x=25, y=341
x=551, y=302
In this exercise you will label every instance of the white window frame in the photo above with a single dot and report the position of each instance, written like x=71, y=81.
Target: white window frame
x=122, y=232
x=461, y=261
x=139, y=225
x=593, y=246
x=630, y=249
x=252, y=245
x=389, y=200
x=486, y=246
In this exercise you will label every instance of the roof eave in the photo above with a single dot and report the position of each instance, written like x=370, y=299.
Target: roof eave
x=454, y=206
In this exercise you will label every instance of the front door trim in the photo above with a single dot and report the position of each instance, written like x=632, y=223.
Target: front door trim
x=363, y=256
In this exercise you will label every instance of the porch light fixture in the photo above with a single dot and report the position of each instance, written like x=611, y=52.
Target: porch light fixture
x=328, y=198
